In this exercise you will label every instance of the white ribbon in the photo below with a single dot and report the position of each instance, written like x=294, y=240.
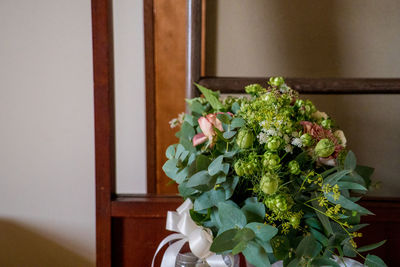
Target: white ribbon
x=199, y=238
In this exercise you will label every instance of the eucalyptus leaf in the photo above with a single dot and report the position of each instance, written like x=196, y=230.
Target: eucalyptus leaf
x=215, y=166
x=347, y=203
x=202, y=162
x=350, y=161
x=170, y=168
x=351, y=186
x=256, y=255
x=229, y=134
x=308, y=247
x=254, y=212
x=224, y=118
x=323, y=261
x=170, y=152
x=230, y=186
x=224, y=241
x=374, y=261
x=209, y=199
x=237, y=123
x=202, y=181
x=371, y=247
x=231, y=216
x=335, y=177
x=264, y=232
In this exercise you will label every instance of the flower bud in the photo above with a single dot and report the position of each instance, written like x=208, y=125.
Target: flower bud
x=306, y=139
x=244, y=138
x=273, y=143
x=276, y=81
x=327, y=123
x=324, y=148
x=239, y=168
x=294, y=167
x=254, y=89
x=271, y=160
x=269, y=183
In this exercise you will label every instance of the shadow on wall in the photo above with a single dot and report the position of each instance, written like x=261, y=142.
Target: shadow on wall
x=22, y=247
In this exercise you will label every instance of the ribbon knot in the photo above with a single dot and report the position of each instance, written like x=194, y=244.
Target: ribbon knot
x=199, y=238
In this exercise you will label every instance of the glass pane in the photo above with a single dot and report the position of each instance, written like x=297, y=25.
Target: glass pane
x=303, y=38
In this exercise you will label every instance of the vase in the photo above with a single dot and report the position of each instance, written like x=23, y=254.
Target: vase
x=187, y=259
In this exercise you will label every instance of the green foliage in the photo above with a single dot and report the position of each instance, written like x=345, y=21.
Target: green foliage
x=271, y=181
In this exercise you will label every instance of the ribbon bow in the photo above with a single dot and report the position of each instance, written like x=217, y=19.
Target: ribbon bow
x=199, y=238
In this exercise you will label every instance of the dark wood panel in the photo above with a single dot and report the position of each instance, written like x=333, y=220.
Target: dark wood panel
x=235, y=85
x=104, y=125
x=139, y=226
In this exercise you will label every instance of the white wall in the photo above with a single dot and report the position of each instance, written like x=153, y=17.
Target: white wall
x=47, y=198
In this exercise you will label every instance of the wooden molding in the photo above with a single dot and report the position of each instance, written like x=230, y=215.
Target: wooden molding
x=103, y=70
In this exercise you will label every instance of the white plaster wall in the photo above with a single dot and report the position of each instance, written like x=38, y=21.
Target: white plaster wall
x=47, y=189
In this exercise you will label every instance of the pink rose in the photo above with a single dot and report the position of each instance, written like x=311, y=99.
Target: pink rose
x=207, y=125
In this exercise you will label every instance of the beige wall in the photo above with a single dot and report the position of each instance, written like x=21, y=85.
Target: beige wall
x=47, y=200
x=305, y=38
x=297, y=38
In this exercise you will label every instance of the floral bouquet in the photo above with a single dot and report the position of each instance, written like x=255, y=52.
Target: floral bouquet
x=268, y=176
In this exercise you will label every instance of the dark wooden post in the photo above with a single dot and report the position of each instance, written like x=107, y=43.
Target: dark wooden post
x=103, y=71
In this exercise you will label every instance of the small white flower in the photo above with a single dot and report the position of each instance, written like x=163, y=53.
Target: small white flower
x=289, y=148
x=319, y=115
x=173, y=123
x=340, y=135
x=297, y=142
x=286, y=138
x=263, y=138
x=181, y=117
x=271, y=132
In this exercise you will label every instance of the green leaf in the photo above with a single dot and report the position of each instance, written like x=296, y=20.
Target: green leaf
x=322, y=261
x=350, y=161
x=229, y=134
x=210, y=97
x=215, y=166
x=224, y=118
x=235, y=107
x=264, y=232
x=185, y=191
x=254, y=212
x=242, y=237
x=323, y=218
x=319, y=236
x=209, y=199
x=314, y=223
x=357, y=227
x=347, y=203
x=224, y=241
x=374, y=261
x=308, y=247
x=256, y=255
x=202, y=162
x=195, y=106
x=294, y=263
x=350, y=185
x=199, y=218
x=170, y=152
x=182, y=175
x=201, y=181
x=170, y=168
x=365, y=172
x=186, y=131
x=230, y=186
x=230, y=216
x=371, y=247
x=237, y=123
x=335, y=177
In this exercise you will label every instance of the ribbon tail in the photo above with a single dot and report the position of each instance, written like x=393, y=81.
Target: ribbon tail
x=218, y=261
x=171, y=253
x=164, y=242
